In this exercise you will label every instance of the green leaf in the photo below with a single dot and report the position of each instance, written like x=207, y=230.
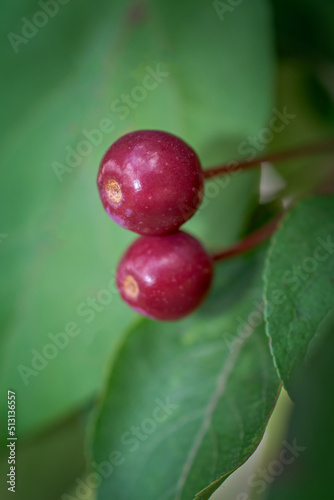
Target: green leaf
x=309, y=472
x=299, y=277
x=186, y=403
x=61, y=86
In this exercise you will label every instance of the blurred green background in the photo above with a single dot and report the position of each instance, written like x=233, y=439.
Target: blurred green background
x=76, y=76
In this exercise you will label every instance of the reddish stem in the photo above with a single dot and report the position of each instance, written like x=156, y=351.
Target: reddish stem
x=309, y=149
x=250, y=241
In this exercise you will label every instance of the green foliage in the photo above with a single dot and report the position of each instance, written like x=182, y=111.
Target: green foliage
x=209, y=73
x=300, y=274
x=309, y=475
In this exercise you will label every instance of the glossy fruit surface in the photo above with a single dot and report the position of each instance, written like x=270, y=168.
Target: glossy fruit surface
x=150, y=182
x=165, y=277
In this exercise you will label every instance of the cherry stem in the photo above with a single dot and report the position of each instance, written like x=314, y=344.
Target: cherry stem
x=251, y=241
x=305, y=150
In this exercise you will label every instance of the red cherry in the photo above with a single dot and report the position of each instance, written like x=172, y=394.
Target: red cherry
x=165, y=277
x=150, y=182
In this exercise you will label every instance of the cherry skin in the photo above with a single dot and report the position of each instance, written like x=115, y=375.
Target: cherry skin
x=150, y=182
x=165, y=277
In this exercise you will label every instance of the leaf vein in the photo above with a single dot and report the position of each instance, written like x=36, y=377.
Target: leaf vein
x=211, y=406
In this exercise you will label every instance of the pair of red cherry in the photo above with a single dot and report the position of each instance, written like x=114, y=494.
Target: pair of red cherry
x=151, y=182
